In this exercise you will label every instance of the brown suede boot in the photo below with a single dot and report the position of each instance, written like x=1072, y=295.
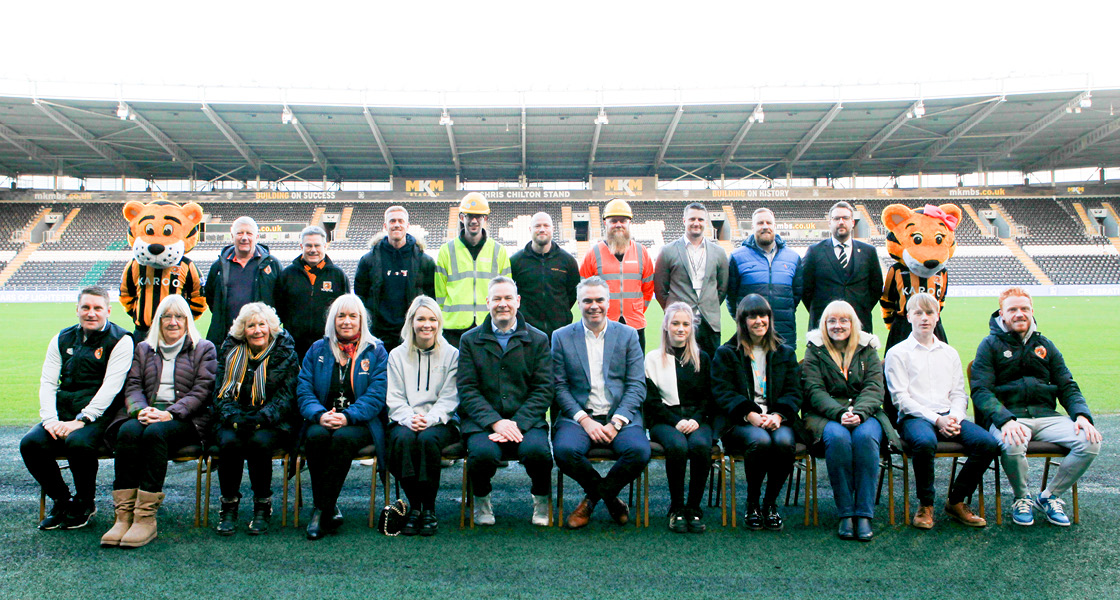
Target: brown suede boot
x=143, y=528
x=124, y=501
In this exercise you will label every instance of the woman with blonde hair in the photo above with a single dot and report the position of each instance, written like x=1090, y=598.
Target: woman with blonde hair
x=422, y=399
x=755, y=380
x=843, y=385
x=255, y=389
x=167, y=397
x=341, y=396
x=678, y=407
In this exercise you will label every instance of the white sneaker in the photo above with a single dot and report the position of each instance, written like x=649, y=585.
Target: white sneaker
x=483, y=512
x=541, y=504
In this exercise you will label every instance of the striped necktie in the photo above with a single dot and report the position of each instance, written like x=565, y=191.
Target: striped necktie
x=843, y=257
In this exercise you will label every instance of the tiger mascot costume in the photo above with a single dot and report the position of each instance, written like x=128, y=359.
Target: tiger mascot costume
x=160, y=234
x=921, y=242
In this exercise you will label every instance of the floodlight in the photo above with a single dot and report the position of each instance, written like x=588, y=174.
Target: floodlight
x=445, y=119
x=286, y=115
x=1087, y=100
x=602, y=119
x=122, y=111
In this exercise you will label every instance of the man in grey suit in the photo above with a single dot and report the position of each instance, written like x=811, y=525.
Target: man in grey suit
x=599, y=373
x=693, y=270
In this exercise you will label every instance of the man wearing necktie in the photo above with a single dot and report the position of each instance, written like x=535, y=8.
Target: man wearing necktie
x=841, y=268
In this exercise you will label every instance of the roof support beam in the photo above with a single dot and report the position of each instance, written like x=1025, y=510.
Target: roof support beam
x=865, y=152
x=161, y=138
x=667, y=138
x=594, y=147
x=524, y=146
x=385, y=153
x=803, y=146
x=239, y=144
x=33, y=152
x=955, y=134
x=101, y=148
x=454, y=148
x=729, y=153
x=1055, y=158
x=1005, y=149
x=317, y=155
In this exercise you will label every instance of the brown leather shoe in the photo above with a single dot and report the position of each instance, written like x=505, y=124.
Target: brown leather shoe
x=581, y=515
x=618, y=510
x=962, y=513
x=923, y=519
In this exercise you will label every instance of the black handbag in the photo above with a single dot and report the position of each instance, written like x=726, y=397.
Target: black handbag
x=392, y=518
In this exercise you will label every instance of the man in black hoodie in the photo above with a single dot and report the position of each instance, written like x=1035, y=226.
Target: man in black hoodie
x=244, y=272
x=306, y=289
x=393, y=273
x=1018, y=379
x=548, y=275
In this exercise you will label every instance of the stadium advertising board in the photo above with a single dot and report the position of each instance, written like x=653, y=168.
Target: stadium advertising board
x=628, y=187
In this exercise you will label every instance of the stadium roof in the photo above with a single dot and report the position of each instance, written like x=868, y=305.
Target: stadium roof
x=170, y=140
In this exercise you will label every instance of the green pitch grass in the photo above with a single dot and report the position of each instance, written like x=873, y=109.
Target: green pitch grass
x=1086, y=330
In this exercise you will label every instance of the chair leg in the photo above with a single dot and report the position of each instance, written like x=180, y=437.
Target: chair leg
x=999, y=497
x=1076, y=505
x=1045, y=473
x=723, y=490
x=905, y=491
x=733, y=494
x=209, y=472
x=890, y=488
x=550, y=502
x=285, y=462
x=559, y=498
x=42, y=504
x=298, y=494
x=980, y=490
x=816, y=515
x=464, y=499
x=806, y=468
x=373, y=492
x=198, y=491
x=645, y=496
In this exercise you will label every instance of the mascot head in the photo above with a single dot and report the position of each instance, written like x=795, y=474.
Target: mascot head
x=922, y=239
x=161, y=232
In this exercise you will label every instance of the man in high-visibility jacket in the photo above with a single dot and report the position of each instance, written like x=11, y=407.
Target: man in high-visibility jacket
x=626, y=267
x=464, y=268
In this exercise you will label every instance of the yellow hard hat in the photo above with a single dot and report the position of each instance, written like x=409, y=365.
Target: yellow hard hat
x=474, y=203
x=617, y=208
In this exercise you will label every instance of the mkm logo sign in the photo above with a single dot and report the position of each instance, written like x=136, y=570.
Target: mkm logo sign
x=428, y=187
x=630, y=187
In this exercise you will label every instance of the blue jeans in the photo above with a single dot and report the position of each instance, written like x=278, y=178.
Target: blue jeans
x=852, y=456
x=922, y=437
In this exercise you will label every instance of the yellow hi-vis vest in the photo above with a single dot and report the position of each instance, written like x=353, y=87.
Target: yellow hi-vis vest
x=462, y=284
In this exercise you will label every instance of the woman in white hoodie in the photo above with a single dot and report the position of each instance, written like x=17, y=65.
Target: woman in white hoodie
x=421, y=400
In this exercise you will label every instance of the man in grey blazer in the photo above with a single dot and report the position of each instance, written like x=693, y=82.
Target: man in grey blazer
x=599, y=373
x=694, y=270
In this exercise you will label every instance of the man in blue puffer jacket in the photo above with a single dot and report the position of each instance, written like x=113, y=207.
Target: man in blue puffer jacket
x=763, y=265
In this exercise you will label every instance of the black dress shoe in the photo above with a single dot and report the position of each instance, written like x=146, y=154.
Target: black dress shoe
x=58, y=515
x=753, y=517
x=863, y=529
x=695, y=521
x=846, y=529
x=771, y=519
x=315, y=525
x=412, y=523
x=428, y=523
x=618, y=510
x=334, y=522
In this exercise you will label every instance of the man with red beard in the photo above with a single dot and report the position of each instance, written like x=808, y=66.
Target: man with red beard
x=625, y=266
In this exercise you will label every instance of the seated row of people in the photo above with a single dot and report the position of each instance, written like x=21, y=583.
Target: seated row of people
x=254, y=400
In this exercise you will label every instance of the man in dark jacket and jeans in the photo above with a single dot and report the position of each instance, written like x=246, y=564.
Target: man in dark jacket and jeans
x=1018, y=379
x=244, y=272
x=306, y=289
x=505, y=389
x=391, y=275
x=764, y=266
x=549, y=275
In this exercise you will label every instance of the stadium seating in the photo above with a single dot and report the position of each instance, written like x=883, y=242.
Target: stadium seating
x=1049, y=230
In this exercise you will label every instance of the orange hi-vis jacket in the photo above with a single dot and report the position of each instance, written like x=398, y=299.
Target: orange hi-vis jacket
x=631, y=281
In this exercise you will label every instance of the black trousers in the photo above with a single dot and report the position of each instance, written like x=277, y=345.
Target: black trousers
x=414, y=459
x=391, y=337
x=693, y=450
x=454, y=335
x=80, y=448
x=707, y=338
x=484, y=455
x=142, y=452
x=257, y=450
x=330, y=452
x=767, y=455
